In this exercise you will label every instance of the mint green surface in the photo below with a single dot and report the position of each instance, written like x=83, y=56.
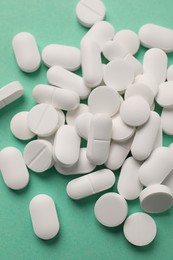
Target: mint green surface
x=81, y=237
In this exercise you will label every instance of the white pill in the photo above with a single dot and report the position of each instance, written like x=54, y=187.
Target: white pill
x=38, y=155
x=157, y=167
x=66, y=56
x=61, y=116
x=167, y=121
x=155, y=63
x=92, y=70
x=49, y=138
x=145, y=137
x=13, y=168
x=134, y=63
x=135, y=111
x=65, y=79
x=140, y=229
x=67, y=145
x=104, y=100
x=120, y=131
x=118, y=75
x=99, y=138
x=128, y=39
x=156, y=198
x=82, y=124
x=165, y=95
x=129, y=185
x=82, y=166
x=170, y=73
x=111, y=209
x=148, y=80
x=118, y=153
x=10, y=93
x=59, y=98
x=44, y=216
x=43, y=120
x=168, y=181
x=19, y=126
x=88, y=12
x=90, y=184
x=26, y=52
x=71, y=116
x=156, y=36
x=159, y=139
x=112, y=50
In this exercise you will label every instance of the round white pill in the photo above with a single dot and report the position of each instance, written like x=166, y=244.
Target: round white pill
x=135, y=111
x=72, y=115
x=148, y=80
x=19, y=126
x=104, y=100
x=111, y=209
x=82, y=124
x=118, y=75
x=167, y=121
x=156, y=198
x=170, y=73
x=140, y=229
x=113, y=50
x=165, y=95
x=43, y=120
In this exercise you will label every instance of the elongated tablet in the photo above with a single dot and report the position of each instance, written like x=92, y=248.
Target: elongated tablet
x=170, y=73
x=168, y=181
x=167, y=121
x=148, y=80
x=165, y=95
x=82, y=124
x=113, y=50
x=159, y=139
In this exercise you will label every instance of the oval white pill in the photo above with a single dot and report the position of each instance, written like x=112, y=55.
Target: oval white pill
x=156, y=198
x=167, y=121
x=140, y=229
x=71, y=116
x=168, y=181
x=113, y=50
x=82, y=124
x=13, y=168
x=159, y=139
x=66, y=56
x=19, y=126
x=26, y=52
x=148, y=80
x=90, y=184
x=43, y=120
x=44, y=216
x=165, y=95
x=170, y=73
x=111, y=209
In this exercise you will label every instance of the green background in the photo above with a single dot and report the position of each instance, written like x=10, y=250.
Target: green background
x=81, y=237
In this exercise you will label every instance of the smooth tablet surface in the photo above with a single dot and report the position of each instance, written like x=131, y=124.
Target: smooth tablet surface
x=148, y=80
x=167, y=121
x=170, y=73
x=113, y=50
x=168, y=181
x=134, y=64
x=82, y=124
x=43, y=120
x=156, y=198
x=135, y=111
x=165, y=95
x=140, y=229
x=44, y=216
x=111, y=209
x=72, y=115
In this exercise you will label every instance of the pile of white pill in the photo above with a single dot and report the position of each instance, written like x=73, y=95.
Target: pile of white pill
x=117, y=120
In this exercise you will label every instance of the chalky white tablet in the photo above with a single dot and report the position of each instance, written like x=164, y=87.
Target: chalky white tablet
x=61, y=116
x=65, y=79
x=165, y=95
x=134, y=63
x=59, y=98
x=159, y=139
x=67, y=145
x=148, y=80
x=113, y=50
x=90, y=184
x=38, y=155
x=129, y=185
x=156, y=198
x=88, y=12
x=170, y=73
x=111, y=209
x=118, y=75
x=26, y=52
x=43, y=120
x=19, y=126
x=104, y=100
x=49, y=138
x=71, y=116
x=128, y=39
x=168, y=181
x=13, y=168
x=153, y=35
x=44, y=216
x=66, y=56
x=167, y=121
x=82, y=124
x=140, y=229
x=135, y=111
x=10, y=93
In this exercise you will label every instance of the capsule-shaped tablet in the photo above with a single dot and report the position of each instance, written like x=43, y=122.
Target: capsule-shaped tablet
x=168, y=181
x=65, y=79
x=44, y=216
x=99, y=139
x=82, y=124
x=165, y=95
x=167, y=121
x=156, y=36
x=159, y=138
x=13, y=168
x=145, y=137
x=148, y=80
x=67, y=145
x=113, y=50
x=59, y=98
x=90, y=184
x=26, y=52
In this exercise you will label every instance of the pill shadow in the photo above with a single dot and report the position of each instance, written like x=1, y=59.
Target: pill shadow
x=7, y=109
x=50, y=242
x=35, y=74
x=141, y=249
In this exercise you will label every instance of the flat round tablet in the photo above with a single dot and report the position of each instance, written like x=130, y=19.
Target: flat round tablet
x=118, y=75
x=140, y=229
x=156, y=198
x=170, y=73
x=113, y=50
x=43, y=120
x=72, y=115
x=148, y=80
x=167, y=121
x=89, y=12
x=111, y=209
x=104, y=100
x=165, y=95
x=135, y=111
x=19, y=126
